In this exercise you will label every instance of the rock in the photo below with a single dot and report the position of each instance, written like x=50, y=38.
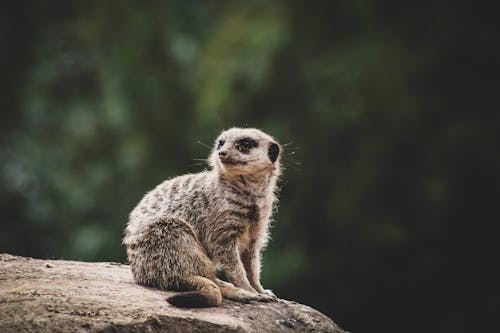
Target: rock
x=71, y=296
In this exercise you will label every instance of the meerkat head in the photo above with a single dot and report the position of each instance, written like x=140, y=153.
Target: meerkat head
x=242, y=151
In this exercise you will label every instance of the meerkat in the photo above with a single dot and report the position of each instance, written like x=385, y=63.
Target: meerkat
x=189, y=227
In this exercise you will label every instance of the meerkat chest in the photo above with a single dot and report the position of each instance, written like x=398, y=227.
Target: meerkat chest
x=251, y=213
x=247, y=209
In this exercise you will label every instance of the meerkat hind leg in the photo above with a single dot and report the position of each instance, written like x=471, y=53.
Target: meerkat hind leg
x=169, y=256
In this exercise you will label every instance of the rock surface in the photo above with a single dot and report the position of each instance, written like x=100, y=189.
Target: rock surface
x=71, y=296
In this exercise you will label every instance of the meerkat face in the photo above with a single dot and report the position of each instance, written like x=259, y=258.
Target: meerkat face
x=240, y=151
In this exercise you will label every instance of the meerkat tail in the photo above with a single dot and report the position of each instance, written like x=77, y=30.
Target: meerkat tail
x=192, y=299
x=206, y=294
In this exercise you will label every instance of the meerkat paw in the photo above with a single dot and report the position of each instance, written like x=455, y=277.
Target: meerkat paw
x=242, y=295
x=262, y=298
x=229, y=291
x=268, y=295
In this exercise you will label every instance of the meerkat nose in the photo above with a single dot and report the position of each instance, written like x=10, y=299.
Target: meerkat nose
x=223, y=153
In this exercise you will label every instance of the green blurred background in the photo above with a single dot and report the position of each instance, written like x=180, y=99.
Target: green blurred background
x=389, y=111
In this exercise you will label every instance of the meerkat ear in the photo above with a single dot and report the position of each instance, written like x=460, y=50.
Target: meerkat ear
x=273, y=151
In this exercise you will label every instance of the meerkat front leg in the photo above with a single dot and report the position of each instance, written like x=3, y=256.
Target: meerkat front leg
x=252, y=262
x=224, y=252
x=230, y=262
x=240, y=288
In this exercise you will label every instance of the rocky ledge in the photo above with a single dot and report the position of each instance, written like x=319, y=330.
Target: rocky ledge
x=71, y=296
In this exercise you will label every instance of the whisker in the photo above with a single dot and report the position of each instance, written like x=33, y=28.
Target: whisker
x=289, y=157
x=204, y=145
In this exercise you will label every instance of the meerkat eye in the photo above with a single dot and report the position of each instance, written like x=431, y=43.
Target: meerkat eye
x=244, y=145
x=220, y=143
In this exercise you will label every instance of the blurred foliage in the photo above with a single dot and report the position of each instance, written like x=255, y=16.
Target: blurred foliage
x=389, y=111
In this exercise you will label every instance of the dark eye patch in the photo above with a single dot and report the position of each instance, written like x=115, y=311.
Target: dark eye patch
x=245, y=144
x=220, y=143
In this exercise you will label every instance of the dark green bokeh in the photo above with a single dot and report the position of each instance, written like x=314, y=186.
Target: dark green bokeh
x=389, y=111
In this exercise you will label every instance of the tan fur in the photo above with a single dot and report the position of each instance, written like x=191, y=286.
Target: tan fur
x=189, y=226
